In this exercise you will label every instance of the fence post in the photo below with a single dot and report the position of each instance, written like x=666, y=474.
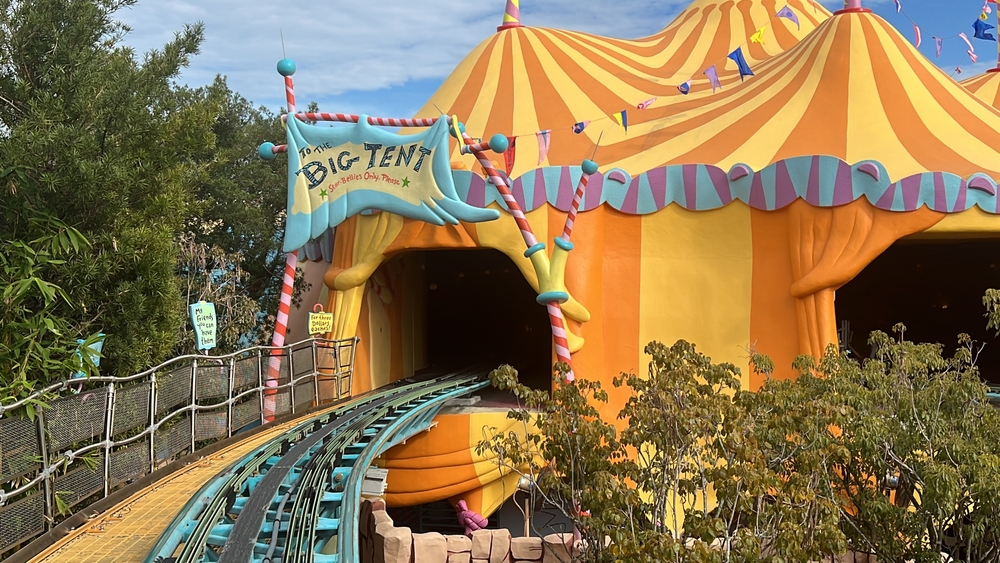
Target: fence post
x=260, y=384
x=232, y=393
x=291, y=377
x=194, y=401
x=109, y=428
x=315, y=365
x=49, y=498
x=152, y=422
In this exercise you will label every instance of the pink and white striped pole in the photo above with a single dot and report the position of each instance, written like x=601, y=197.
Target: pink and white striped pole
x=556, y=320
x=286, y=68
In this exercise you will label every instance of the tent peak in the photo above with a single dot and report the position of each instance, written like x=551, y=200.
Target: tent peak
x=852, y=7
x=511, y=15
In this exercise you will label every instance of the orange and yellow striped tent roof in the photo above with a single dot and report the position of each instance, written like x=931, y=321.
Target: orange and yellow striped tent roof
x=523, y=80
x=854, y=89
x=986, y=86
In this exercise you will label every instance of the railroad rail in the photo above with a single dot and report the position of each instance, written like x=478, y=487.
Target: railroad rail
x=295, y=499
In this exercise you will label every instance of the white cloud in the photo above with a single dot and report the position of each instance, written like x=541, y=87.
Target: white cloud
x=346, y=47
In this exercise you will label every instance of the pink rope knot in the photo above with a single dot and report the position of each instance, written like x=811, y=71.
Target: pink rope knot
x=470, y=519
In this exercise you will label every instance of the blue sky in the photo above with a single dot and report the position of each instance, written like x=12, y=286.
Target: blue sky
x=386, y=57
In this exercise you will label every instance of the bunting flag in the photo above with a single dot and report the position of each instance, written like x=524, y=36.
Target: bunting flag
x=938, y=43
x=958, y=70
x=972, y=50
x=916, y=31
x=898, y=7
x=981, y=31
x=713, y=77
x=544, y=137
x=758, y=37
x=973, y=57
x=787, y=13
x=508, y=155
x=646, y=104
x=685, y=88
x=579, y=127
x=621, y=118
x=741, y=63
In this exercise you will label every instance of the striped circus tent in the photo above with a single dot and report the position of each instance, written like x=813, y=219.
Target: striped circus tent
x=986, y=86
x=523, y=80
x=854, y=89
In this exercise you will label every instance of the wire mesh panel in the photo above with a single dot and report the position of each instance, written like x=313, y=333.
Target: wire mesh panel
x=131, y=407
x=246, y=374
x=21, y=520
x=283, y=400
x=210, y=425
x=305, y=393
x=212, y=381
x=246, y=412
x=173, y=440
x=76, y=418
x=129, y=462
x=80, y=483
x=20, y=453
x=302, y=360
x=173, y=389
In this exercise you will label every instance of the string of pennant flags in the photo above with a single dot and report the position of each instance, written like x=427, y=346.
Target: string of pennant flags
x=980, y=30
x=621, y=118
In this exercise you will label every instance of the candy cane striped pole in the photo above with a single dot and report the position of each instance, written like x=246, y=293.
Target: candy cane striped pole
x=286, y=68
x=556, y=320
x=351, y=118
x=589, y=168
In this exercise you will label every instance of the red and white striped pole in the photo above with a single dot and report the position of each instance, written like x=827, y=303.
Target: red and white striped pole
x=589, y=169
x=286, y=68
x=556, y=320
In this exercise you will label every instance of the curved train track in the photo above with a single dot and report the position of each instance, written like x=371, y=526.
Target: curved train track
x=295, y=499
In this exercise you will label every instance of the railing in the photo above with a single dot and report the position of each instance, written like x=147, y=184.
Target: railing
x=114, y=430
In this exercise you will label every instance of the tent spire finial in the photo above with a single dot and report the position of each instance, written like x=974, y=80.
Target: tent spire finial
x=511, y=15
x=851, y=7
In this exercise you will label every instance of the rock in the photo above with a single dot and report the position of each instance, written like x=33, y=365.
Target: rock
x=429, y=548
x=394, y=544
x=500, y=549
x=463, y=557
x=458, y=544
x=481, y=542
x=526, y=549
x=557, y=548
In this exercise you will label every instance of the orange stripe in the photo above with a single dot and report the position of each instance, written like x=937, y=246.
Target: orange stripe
x=499, y=121
x=466, y=99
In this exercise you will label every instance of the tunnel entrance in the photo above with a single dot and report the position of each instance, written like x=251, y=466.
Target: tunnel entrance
x=479, y=309
x=934, y=287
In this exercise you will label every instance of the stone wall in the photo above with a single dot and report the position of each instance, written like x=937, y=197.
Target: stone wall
x=382, y=542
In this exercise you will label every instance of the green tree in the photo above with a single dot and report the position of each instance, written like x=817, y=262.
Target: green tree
x=101, y=142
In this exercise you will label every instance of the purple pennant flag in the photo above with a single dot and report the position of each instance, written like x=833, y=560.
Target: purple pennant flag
x=938, y=43
x=543, y=144
x=685, y=88
x=713, y=77
x=787, y=12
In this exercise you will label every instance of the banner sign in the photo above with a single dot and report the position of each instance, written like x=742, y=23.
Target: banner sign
x=320, y=322
x=337, y=172
x=203, y=319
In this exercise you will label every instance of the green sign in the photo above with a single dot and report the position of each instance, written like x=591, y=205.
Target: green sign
x=203, y=319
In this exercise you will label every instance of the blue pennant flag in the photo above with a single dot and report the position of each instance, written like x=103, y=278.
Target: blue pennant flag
x=981, y=28
x=685, y=88
x=741, y=63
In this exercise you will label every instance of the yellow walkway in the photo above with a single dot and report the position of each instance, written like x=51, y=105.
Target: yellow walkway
x=128, y=531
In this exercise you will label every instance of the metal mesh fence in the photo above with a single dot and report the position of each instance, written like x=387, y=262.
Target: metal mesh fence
x=174, y=439
x=302, y=361
x=246, y=412
x=80, y=483
x=21, y=520
x=209, y=425
x=305, y=393
x=75, y=419
x=246, y=374
x=20, y=453
x=131, y=407
x=212, y=381
x=129, y=462
x=173, y=389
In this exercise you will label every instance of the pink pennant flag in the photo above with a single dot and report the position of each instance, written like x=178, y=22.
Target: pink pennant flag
x=938, y=43
x=544, y=137
x=973, y=57
x=713, y=77
x=916, y=31
x=646, y=104
x=972, y=50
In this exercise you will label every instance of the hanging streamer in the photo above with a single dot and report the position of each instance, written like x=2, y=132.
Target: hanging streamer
x=898, y=7
x=758, y=37
x=741, y=63
x=646, y=104
x=544, y=137
x=713, y=77
x=916, y=31
x=621, y=118
x=981, y=30
x=938, y=43
x=508, y=155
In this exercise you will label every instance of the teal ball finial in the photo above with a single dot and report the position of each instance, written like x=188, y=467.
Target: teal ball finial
x=286, y=67
x=589, y=167
x=499, y=143
x=266, y=151
x=461, y=130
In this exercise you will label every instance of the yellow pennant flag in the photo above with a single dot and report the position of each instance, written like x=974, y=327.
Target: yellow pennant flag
x=759, y=36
